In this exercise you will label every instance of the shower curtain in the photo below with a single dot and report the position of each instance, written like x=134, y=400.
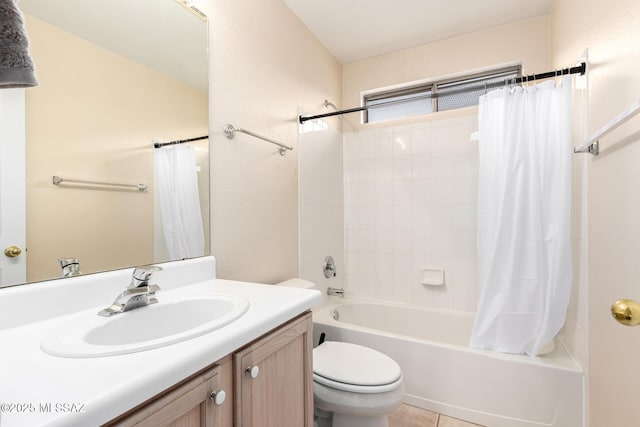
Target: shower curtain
x=524, y=209
x=179, y=201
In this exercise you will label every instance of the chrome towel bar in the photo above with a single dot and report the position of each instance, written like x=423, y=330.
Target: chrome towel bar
x=230, y=132
x=58, y=180
x=591, y=145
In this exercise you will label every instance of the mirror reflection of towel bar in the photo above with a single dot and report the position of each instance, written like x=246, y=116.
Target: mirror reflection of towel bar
x=58, y=180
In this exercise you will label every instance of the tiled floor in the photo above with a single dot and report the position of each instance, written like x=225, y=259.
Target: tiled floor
x=410, y=416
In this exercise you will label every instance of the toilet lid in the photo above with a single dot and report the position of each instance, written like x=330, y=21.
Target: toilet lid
x=353, y=364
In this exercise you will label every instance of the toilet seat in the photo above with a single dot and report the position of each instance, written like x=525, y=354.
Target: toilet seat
x=354, y=368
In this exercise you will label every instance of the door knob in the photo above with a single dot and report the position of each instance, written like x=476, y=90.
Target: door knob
x=626, y=311
x=12, y=251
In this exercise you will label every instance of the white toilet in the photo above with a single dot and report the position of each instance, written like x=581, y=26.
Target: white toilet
x=353, y=385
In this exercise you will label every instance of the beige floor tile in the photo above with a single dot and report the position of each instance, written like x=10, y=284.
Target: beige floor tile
x=445, y=421
x=410, y=416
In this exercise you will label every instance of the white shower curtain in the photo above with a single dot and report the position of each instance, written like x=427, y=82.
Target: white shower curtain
x=179, y=201
x=524, y=209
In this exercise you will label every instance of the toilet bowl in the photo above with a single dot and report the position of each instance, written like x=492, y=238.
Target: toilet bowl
x=354, y=386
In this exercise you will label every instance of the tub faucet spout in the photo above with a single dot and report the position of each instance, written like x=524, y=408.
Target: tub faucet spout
x=337, y=292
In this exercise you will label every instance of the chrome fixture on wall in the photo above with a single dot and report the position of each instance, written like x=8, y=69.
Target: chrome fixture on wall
x=328, y=103
x=592, y=144
x=335, y=292
x=230, y=132
x=58, y=180
x=329, y=267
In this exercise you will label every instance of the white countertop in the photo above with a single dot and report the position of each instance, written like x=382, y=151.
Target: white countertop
x=39, y=389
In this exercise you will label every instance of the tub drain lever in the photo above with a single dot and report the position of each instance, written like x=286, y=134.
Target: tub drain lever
x=321, y=340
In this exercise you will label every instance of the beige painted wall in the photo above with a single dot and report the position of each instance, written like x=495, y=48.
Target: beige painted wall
x=93, y=116
x=611, y=32
x=526, y=41
x=264, y=64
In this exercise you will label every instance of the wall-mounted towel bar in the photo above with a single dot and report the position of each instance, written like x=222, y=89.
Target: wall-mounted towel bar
x=58, y=180
x=592, y=144
x=230, y=132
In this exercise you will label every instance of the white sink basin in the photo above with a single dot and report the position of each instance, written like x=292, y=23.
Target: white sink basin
x=176, y=317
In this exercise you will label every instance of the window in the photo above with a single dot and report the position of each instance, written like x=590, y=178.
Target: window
x=441, y=95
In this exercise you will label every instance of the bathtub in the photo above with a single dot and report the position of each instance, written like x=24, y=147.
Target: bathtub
x=442, y=374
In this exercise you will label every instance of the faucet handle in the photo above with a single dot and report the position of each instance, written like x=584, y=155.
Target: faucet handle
x=142, y=274
x=147, y=290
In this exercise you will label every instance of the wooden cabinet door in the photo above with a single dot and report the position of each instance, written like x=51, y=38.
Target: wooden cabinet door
x=281, y=393
x=189, y=404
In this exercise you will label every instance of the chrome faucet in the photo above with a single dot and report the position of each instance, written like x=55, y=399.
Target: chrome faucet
x=139, y=293
x=336, y=292
x=70, y=267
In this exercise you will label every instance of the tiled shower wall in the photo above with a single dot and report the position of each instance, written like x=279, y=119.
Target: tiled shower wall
x=410, y=203
x=321, y=205
x=410, y=195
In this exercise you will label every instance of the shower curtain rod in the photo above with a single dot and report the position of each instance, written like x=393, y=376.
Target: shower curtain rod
x=179, y=141
x=579, y=69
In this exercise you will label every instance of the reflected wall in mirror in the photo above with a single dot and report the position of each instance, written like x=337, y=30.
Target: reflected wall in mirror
x=113, y=77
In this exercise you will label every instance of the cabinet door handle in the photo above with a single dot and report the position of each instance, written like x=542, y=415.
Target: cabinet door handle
x=218, y=397
x=252, y=371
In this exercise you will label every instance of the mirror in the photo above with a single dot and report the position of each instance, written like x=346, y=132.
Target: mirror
x=114, y=76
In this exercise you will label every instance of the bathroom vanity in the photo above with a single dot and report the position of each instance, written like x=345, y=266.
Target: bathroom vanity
x=273, y=378
x=255, y=370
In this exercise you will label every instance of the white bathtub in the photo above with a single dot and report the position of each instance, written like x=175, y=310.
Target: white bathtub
x=444, y=375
